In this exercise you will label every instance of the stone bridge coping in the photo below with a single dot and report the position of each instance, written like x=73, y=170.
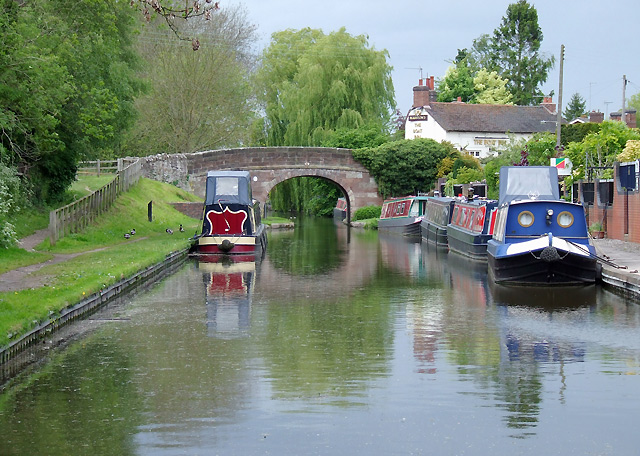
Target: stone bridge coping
x=269, y=166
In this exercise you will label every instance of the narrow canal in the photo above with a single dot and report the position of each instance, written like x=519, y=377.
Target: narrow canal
x=338, y=343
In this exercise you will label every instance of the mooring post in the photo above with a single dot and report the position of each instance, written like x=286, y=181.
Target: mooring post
x=150, y=211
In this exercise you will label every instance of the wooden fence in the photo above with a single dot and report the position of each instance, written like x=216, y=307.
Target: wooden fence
x=76, y=216
x=100, y=167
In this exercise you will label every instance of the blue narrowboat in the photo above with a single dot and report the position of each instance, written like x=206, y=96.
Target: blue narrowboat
x=231, y=220
x=539, y=238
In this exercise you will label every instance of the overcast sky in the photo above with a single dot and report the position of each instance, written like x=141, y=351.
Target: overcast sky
x=600, y=38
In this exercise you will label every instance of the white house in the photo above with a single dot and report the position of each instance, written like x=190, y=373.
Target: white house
x=475, y=129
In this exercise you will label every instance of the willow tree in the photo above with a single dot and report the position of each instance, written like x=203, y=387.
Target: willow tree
x=313, y=84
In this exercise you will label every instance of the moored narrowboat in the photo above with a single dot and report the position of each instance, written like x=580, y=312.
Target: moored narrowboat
x=231, y=221
x=340, y=211
x=539, y=238
x=403, y=215
x=433, y=226
x=471, y=227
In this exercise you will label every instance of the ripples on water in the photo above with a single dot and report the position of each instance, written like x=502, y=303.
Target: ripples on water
x=339, y=343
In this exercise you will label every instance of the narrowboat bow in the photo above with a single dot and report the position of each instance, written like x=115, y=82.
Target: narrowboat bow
x=434, y=224
x=538, y=237
x=231, y=221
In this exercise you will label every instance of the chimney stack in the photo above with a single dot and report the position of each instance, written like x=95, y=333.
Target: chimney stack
x=596, y=117
x=424, y=93
x=549, y=105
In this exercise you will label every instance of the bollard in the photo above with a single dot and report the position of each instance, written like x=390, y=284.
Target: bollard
x=150, y=211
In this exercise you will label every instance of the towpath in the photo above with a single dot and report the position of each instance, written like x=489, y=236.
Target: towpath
x=23, y=278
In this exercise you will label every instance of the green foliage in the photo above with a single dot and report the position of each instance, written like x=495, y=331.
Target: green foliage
x=197, y=100
x=465, y=161
x=502, y=68
x=367, y=212
x=577, y=132
x=490, y=88
x=406, y=166
x=305, y=195
x=541, y=148
x=634, y=102
x=576, y=107
x=14, y=198
x=466, y=175
x=457, y=82
x=312, y=84
x=631, y=151
x=600, y=149
x=67, y=86
x=8, y=182
x=515, y=52
x=370, y=135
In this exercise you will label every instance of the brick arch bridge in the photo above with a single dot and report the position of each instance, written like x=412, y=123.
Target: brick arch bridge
x=269, y=166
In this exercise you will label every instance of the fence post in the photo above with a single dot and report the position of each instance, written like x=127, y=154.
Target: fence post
x=53, y=226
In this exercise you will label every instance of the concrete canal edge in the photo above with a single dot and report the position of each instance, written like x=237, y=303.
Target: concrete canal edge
x=621, y=282
x=92, y=303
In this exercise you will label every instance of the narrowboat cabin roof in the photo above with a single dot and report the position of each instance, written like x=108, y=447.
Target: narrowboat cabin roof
x=528, y=182
x=229, y=187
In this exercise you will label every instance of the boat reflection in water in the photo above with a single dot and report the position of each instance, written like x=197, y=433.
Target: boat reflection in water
x=229, y=287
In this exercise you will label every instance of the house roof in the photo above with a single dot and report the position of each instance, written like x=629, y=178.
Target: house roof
x=491, y=118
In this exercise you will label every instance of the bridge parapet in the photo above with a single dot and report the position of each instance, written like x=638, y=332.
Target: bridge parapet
x=269, y=166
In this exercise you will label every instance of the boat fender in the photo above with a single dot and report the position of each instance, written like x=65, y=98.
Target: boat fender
x=550, y=254
x=226, y=245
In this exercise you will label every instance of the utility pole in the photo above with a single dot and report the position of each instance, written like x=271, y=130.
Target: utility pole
x=606, y=108
x=559, y=113
x=624, y=86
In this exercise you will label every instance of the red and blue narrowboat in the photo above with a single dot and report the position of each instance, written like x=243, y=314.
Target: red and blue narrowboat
x=231, y=221
x=471, y=227
x=403, y=215
x=539, y=238
x=433, y=226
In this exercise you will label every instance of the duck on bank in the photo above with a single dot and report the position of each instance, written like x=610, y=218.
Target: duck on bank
x=539, y=238
x=231, y=222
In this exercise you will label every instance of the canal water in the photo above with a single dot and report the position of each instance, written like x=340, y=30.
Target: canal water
x=338, y=343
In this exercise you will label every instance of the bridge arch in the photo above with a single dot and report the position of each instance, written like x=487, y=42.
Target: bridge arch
x=269, y=166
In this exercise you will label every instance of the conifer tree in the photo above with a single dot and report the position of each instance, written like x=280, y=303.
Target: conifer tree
x=575, y=108
x=515, y=53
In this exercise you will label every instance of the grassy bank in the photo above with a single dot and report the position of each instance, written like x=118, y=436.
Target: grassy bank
x=69, y=281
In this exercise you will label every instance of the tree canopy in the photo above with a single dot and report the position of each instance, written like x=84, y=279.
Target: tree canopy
x=513, y=53
x=600, y=149
x=312, y=84
x=407, y=166
x=197, y=100
x=67, y=86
